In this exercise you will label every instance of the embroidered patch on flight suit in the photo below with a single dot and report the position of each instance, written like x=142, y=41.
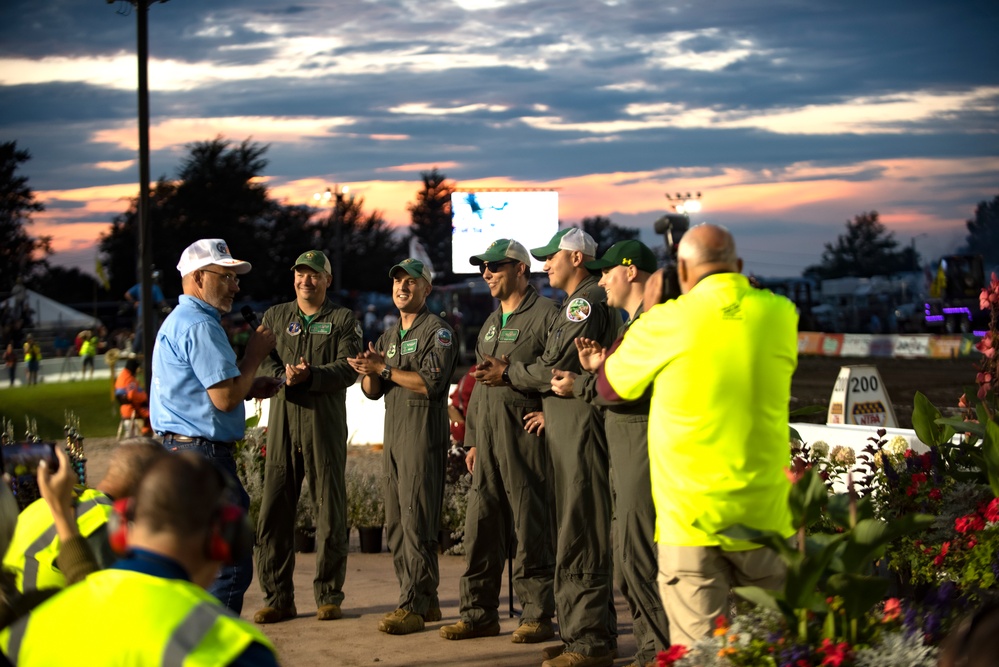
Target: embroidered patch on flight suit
x=320, y=327
x=509, y=335
x=408, y=346
x=491, y=333
x=577, y=310
x=443, y=337
x=358, y=331
x=391, y=351
x=294, y=328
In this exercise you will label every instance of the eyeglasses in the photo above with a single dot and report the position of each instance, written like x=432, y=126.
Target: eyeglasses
x=228, y=277
x=493, y=267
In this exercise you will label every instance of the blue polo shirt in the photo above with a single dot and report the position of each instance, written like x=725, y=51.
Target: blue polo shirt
x=193, y=353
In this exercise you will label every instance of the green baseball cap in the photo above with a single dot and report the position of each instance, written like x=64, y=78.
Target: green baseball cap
x=626, y=253
x=501, y=249
x=413, y=267
x=315, y=260
x=570, y=238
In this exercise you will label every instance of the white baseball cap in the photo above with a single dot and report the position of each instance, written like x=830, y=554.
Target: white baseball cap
x=206, y=252
x=570, y=238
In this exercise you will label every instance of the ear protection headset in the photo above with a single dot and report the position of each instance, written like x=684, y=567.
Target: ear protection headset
x=230, y=539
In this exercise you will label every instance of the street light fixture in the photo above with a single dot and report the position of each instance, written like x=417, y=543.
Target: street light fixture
x=335, y=198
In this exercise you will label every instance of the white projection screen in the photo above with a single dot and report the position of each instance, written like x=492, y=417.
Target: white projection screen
x=480, y=217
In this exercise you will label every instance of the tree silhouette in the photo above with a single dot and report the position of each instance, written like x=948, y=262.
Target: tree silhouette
x=866, y=249
x=370, y=246
x=606, y=233
x=983, y=232
x=431, y=221
x=20, y=254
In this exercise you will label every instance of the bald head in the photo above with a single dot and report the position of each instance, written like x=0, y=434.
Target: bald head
x=706, y=249
x=129, y=462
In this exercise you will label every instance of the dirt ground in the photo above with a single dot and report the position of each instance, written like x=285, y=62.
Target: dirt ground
x=371, y=588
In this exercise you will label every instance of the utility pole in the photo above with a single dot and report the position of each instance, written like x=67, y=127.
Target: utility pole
x=145, y=247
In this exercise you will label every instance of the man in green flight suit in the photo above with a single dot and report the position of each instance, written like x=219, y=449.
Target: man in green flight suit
x=626, y=268
x=307, y=439
x=511, y=494
x=411, y=366
x=574, y=433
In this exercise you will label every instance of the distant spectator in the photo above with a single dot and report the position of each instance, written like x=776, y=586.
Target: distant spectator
x=88, y=351
x=10, y=362
x=132, y=397
x=134, y=297
x=61, y=344
x=33, y=359
x=457, y=409
x=371, y=328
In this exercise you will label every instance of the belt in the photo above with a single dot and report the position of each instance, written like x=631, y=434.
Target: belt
x=186, y=439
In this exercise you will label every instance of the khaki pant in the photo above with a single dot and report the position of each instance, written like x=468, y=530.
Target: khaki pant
x=694, y=583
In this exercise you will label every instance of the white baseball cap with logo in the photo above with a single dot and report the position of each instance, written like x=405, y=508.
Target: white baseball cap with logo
x=207, y=252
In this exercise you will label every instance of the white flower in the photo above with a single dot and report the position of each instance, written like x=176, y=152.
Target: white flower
x=897, y=445
x=843, y=456
x=820, y=449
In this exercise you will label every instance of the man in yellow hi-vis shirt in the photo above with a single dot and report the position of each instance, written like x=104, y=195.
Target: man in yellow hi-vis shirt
x=720, y=359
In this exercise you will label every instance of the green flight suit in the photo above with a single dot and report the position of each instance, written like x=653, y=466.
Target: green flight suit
x=307, y=439
x=574, y=432
x=416, y=441
x=511, y=494
x=635, y=565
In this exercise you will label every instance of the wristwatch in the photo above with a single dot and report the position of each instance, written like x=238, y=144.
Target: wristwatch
x=506, y=376
x=386, y=373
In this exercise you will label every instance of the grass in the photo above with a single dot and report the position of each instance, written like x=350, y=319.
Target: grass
x=47, y=403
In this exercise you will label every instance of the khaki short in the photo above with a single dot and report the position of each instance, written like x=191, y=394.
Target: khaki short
x=694, y=583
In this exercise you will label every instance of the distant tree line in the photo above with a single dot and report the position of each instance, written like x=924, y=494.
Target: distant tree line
x=218, y=192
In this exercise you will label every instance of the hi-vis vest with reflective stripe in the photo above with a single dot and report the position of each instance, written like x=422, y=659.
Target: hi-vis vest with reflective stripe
x=34, y=547
x=118, y=617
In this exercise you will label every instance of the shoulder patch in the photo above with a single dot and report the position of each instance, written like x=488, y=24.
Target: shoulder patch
x=491, y=333
x=443, y=337
x=391, y=351
x=294, y=329
x=577, y=310
x=358, y=331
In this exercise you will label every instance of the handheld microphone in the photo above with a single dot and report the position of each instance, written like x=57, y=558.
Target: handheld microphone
x=254, y=322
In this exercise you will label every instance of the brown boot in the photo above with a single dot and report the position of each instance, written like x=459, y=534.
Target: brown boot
x=433, y=615
x=463, y=630
x=329, y=612
x=401, y=622
x=552, y=651
x=274, y=614
x=533, y=632
x=572, y=659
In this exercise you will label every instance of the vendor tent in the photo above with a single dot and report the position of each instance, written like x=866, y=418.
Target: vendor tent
x=47, y=313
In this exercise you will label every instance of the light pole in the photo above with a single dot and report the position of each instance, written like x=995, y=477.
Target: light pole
x=335, y=197
x=145, y=235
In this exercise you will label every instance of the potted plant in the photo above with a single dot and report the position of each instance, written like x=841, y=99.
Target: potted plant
x=365, y=503
x=457, y=482
x=305, y=521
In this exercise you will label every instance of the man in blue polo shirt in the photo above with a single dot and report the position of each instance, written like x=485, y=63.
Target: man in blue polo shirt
x=198, y=387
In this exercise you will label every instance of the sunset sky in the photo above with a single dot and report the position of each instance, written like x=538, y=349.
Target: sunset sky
x=790, y=117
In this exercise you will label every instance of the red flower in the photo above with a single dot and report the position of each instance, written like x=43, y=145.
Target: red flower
x=926, y=460
x=670, y=655
x=992, y=511
x=893, y=609
x=909, y=453
x=972, y=542
x=835, y=654
x=919, y=478
x=263, y=451
x=935, y=494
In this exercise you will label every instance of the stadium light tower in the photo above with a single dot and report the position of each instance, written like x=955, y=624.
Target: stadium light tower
x=685, y=204
x=335, y=197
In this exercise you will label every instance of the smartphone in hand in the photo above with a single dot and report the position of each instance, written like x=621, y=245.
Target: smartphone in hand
x=23, y=458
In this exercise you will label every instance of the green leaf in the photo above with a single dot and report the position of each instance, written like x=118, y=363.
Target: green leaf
x=859, y=592
x=808, y=410
x=767, y=538
x=803, y=578
x=990, y=453
x=924, y=420
x=956, y=424
x=807, y=499
x=252, y=422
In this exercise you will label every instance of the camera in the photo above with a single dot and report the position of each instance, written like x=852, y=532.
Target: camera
x=23, y=458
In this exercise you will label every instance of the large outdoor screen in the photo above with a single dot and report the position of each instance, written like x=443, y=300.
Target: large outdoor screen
x=479, y=218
